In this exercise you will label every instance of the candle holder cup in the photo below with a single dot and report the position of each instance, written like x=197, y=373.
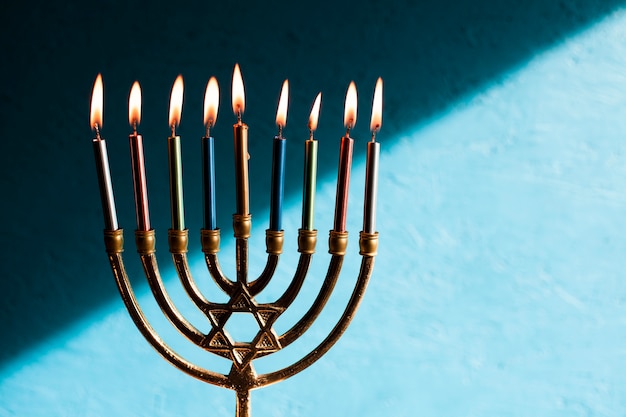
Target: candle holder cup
x=242, y=293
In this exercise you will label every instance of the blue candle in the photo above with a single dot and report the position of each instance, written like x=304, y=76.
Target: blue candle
x=211, y=101
x=278, y=162
x=278, y=183
x=208, y=177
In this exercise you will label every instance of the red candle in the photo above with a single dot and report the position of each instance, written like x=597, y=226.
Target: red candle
x=345, y=160
x=137, y=160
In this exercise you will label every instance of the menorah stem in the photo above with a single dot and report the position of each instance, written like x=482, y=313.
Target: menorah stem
x=242, y=260
x=241, y=226
x=243, y=403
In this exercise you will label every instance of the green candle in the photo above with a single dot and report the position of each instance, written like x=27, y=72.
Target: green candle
x=310, y=169
x=175, y=159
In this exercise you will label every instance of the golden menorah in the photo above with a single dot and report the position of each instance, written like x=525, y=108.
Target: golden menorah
x=241, y=291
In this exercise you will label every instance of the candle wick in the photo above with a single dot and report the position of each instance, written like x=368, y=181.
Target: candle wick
x=208, y=130
x=374, y=134
x=348, y=127
x=239, y=114
x=173, y=130
x=310, y=134
x=135, y=127
x=280, y=131
x=97, y=129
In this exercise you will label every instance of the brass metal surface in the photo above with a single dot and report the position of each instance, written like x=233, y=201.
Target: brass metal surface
x=210, y=240
x=307, y=239
x=242, y=223
x=274, y=241
x=368, y=244
x=337, y=242
x=241, y=293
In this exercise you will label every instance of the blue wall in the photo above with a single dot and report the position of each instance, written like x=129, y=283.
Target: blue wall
x=497, y=290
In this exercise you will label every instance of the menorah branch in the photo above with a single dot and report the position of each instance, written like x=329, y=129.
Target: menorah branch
x=146, y=248
x=367, y=265
x=178, y=240
x=114, y=242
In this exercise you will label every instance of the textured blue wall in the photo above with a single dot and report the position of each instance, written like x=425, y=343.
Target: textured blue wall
x=498, y=287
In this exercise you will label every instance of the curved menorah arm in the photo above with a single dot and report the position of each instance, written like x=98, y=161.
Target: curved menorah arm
x=210, y=240
x=241, y=226
x=307, y=239
x=274, y=247
x=146, y=248
x=178, y=242
x=368, y=245
x=114, y=242
x=295, y=285
x=338, y=242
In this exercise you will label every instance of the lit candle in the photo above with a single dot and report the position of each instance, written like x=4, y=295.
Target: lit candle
x=211, y=103
x=241, y=145
x=137, y=160
x=102, y=158
x=310, y=168
x=175, y=157
x=278, y=161
x=373, y=151
x=345, y=160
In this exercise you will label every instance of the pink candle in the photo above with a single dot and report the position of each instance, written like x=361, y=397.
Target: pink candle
x=137, y=160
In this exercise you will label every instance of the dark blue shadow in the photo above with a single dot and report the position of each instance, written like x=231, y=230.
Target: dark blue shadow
x=430, y=53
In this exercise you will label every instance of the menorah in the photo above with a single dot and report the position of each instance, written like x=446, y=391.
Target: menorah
x=240, y=291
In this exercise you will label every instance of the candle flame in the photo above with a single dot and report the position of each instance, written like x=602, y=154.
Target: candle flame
x=315, y=112
x=134, y=105
x=377, y=107
x=176, y=101
x=211, y=102
x=349, y=115
x=95, y=118
x=281, y=113
x=239, y=97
